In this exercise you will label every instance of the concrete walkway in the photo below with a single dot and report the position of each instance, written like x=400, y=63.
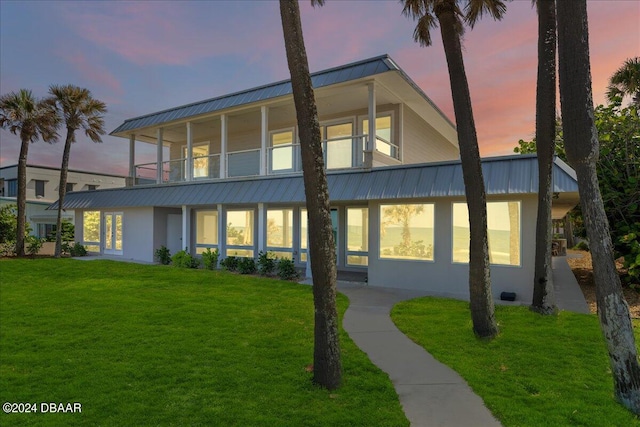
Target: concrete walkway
x=431, y=393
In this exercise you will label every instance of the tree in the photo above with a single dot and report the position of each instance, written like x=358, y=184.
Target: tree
x=447, y=13
x=581, y=143
x=543, y=294
x=79, y=111
x=626, y=81
x=326, y=353
x=24, y=115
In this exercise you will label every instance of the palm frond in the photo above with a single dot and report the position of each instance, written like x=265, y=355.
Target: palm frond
x=475, y=9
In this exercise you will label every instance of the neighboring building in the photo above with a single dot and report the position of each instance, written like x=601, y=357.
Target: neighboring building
x=42, y=190
x=233, y=182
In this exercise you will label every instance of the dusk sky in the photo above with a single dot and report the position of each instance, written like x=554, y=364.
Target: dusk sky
x=142, y=57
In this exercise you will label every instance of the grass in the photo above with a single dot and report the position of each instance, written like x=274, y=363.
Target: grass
x=154, y=345
x=540, y=371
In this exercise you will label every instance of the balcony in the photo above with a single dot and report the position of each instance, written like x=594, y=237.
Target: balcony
x=339, y=153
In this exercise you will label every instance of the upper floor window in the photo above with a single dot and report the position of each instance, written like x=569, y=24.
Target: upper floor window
x=70, y=186
x=281, y=158
x=12, y=187
x=384, y=136
x=39, y=188
x=91, y=187
x=339, y=143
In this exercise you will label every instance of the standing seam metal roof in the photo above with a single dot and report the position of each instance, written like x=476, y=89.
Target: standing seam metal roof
x=502, y=175
x=344, y=73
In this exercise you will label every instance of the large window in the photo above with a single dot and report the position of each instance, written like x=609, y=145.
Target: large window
x=503, y=227
x=339, y=143
x=282, y=151
x=200, y=160
x=91, y=230
x=358, y=236
x=240, y=231
x=12, y=188
x=280, y=232
x=384, y=139
x=406, y=231
x=206, y=230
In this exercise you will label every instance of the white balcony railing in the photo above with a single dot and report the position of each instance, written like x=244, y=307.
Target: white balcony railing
x=339, y=153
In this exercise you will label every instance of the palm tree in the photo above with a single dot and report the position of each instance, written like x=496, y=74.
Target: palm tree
x=326, y=354
x=31, y=119
x=449, y=16
x=582, y=147
x=79, y=111
x=626, y=81
x=543, y=294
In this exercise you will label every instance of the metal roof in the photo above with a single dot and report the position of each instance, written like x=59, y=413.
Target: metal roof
x=344, y=73
x=502, y=175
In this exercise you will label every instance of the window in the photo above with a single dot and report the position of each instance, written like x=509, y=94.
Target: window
x=304, y=235
x=206, y=230
x=69, y=186
x=282, y=151
x=200, y=160
x=240, y=231
x=503, y=227
x=280, y=232
x=358, y=236
x=91, y=230
x=39, y=188
x=384, y=139
x=12, y=188
x=92, y=187
x=406, y=231
x=339, y=145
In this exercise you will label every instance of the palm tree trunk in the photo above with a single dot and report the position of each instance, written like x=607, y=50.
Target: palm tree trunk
x=544, y=300
x=21, y=199
x=62, y=190
x=481, y=300
x=582, y=147
x=326, y=355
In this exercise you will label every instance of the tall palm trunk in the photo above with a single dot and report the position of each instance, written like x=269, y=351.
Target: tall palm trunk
x=326, y=354
x=21, y=199
x=544, y=300
x=481, y=300
x=582, y=147
x=62, y=190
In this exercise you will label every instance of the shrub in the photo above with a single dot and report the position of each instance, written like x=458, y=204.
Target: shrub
x=287, y=269
x=582, y=246
x=230, y=263
x=210, y=259
x=34, y=245
x=247, y=265
x=266, y=263
x=77, y=250
x=184, y=259
x=8, y=248
x=163, y=255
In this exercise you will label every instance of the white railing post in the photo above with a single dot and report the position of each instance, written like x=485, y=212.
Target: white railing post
x=223, y=146
x=371, y=143
x=132, y=160
x=188, y=173
x=264, y=136
x=159, y=176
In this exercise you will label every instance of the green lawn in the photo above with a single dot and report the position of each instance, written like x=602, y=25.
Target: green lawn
x=153, y=345
x=540, y=371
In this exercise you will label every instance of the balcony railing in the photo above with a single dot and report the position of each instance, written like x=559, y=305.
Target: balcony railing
x=339, y=153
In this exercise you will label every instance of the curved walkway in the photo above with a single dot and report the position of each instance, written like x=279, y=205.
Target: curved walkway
x=431, y=393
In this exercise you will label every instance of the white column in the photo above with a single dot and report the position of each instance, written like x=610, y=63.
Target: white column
x=132, y=159
x=261, y=227
x=400, y=126
x=223, y=146
x=371, y=143
x=189, y=172
x=222, y=231
x=186, y=228
x=264, y=132
x=159, y=157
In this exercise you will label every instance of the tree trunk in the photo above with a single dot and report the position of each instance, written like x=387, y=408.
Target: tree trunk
x=62, y=190
x=481, y=300
x=568, y=231
x=544, y=301
x=582, y=147
x=326, y=354
x=21, y=199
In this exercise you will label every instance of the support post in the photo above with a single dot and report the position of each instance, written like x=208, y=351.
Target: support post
x=261, y=227
x=264, y=133
x=186, y=228
x=371, y=140
x=159, y=177
x=189, y=166
x=223, y=146
x=132, y=160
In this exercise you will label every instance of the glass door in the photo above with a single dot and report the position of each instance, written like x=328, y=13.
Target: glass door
x=113, y=233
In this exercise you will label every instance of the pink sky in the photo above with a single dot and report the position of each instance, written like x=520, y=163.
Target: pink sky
x=142, y=57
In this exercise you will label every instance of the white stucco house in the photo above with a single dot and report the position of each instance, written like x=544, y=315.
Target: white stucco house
x=42, y=190
x=233, y=182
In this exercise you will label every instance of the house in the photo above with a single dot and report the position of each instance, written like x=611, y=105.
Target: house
x=42, y=190
x=233, y=182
